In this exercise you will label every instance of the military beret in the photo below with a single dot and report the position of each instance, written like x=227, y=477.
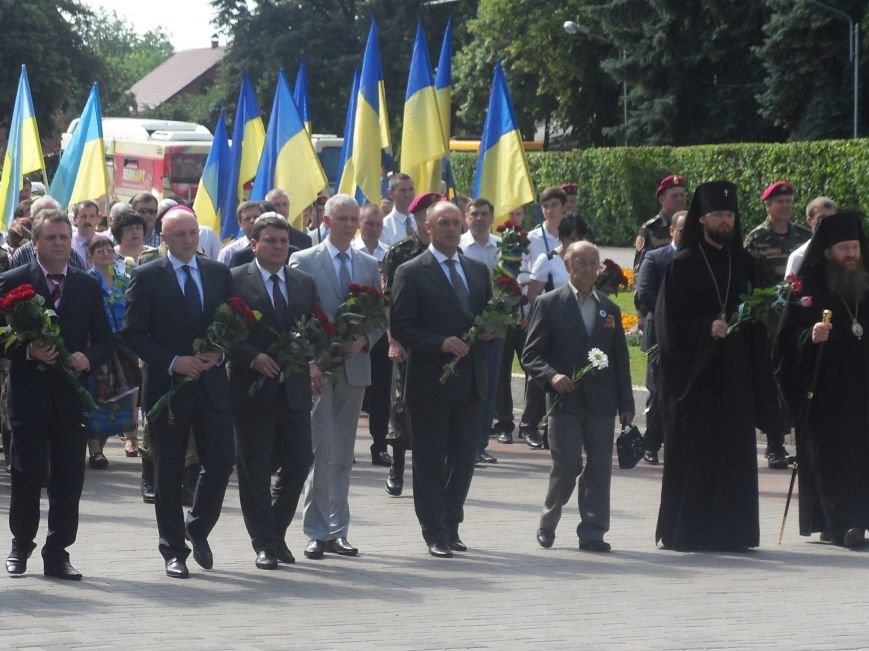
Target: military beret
x=423, y=201
x=672, y=181
x=569, y=188
x=775, y=189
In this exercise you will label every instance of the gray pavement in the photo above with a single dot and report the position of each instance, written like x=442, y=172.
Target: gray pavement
x=504, y=593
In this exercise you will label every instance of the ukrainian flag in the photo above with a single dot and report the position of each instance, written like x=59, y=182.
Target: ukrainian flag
x=368, y=133
x=81, y=173
x=214, y=183
x=300, y=95
x=289, y=161
x=23, y=151
x=444, y=91
x=422, y=141
x=248, y=139
x=346, y=178
x=502, y=169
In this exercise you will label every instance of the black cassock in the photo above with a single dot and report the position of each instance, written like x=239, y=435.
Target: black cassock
x=723, y=390
x=833, y=435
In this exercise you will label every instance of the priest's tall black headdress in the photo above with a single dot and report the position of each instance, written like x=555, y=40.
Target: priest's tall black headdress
x=709, y=197
x=841, y=227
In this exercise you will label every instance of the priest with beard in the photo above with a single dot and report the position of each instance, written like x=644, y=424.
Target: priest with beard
x=721, y=382
x=830, y=361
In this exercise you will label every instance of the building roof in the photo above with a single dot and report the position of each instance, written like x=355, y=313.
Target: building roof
x=174, y=75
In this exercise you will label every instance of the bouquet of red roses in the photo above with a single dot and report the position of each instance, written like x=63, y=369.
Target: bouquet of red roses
x=29, y=321
x=294, y=348
x=766, y=304
x=232, y=324
x=503, y=308
x=363, y=311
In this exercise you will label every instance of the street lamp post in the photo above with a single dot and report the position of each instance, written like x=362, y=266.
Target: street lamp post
x=574, y=28
x=853, y=52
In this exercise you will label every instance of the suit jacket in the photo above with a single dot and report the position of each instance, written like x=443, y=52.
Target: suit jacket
x=317, y=262
x=425, y=311
x=157, y=326
x=84, y=327
x=301, y=297
x=558, y=342
x=652, y=272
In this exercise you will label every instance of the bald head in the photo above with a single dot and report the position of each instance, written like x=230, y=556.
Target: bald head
x=180, y=232
x=443, y=223
x=582, y=260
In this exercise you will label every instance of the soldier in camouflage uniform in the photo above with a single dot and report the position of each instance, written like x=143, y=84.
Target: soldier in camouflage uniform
x=655, y=233
x=770, y=244
x=399, y=253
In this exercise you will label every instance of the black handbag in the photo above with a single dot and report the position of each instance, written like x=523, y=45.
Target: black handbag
x=629, y=446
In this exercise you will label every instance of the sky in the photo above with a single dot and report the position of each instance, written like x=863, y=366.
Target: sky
x=187, y=22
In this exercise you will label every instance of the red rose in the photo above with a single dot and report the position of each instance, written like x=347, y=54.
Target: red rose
x=796, y=284
x=355, y=288
x=503, y=281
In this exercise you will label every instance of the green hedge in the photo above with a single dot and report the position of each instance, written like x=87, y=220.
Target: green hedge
x=616, y=185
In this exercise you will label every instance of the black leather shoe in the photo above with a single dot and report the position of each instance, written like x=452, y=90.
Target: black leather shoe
x=457, y=545
x=505, y=437
x=394, y=483
x=266, y=560
x=777, y=459
x=342, y=547
x=595, y=546
x=314, y=550
x=381, y=459
x=440, y=550
x=62, y=570
x=284, y=555
x=16, y=563
x=545, y=538
x=148, y=495
x=176, y=569
x=854, y=537
x=485, y=457
x=201, y=551
x=534, y=440
x=650, y=456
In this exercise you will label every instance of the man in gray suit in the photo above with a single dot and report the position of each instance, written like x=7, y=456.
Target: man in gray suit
x=334, y=264
x=565, y=325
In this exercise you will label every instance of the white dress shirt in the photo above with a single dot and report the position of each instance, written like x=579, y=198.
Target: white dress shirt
x=395, y=227
x=336, y=261
x=226, y=252
x=267, y=281
x=378, y=252
x=441, y=260
x=487, y=254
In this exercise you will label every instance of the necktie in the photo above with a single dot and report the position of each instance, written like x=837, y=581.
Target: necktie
x=191, y=294
x=343, y=271
x=56, y=290
x=279, y=300
x=407, y=227
x=458, y=285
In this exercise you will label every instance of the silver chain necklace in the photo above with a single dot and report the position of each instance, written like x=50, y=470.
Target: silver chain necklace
x=723, y=302
x=856, y=327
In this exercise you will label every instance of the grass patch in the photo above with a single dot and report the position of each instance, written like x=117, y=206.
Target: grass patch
x=625, y=301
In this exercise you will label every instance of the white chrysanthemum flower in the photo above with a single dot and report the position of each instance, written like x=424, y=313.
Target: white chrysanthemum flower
x=598, y=359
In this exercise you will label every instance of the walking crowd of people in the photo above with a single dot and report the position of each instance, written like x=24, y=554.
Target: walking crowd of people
x=131, y=297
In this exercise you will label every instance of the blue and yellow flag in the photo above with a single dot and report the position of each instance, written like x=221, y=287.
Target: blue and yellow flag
x=289, y=161
x=81, y=173
x=300, y=95
x=444, y=84
x=368, y=134
x=502, y=170
x=23, y=151
x=422, y=141
x=214, y=183
x=346, y=178
x=248, y=139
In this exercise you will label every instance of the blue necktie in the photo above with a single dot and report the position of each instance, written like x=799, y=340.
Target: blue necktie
x=191, y=295
x=344, y=271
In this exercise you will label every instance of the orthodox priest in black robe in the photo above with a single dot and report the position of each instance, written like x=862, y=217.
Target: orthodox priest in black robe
x=722, y=384
x=831, y=361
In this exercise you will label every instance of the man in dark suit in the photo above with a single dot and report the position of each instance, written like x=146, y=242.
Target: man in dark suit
x=170, y=302
x=273, y=428
x=653, y=268
x=435, y=299
x=565, y=325
x=45, y=413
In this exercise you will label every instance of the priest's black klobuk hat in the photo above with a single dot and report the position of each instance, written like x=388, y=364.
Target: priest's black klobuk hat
x=711, y=197
x=841, y=227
